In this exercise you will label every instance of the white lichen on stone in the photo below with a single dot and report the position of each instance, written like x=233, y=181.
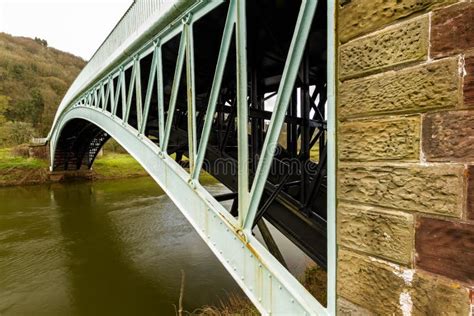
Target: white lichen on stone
x=405, y=274
x=462, y=66
x=406, y=304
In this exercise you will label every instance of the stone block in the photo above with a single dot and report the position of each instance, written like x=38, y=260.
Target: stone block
x=396, y=45
x=470, y=192
x=346, y=308
x=384, y=233
x=435, y=189
x=445, y=248
x=448, y=136
x=388, y=289
x=356, y=17
x=468, y=87
x=452, y=30
x=431, y=295
x=370, y=283
x=416, y=89
x=380, y=139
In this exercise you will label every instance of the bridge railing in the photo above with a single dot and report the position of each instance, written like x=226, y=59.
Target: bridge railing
x=137, y=25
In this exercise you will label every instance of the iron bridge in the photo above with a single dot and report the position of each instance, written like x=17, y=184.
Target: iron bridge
x=243, y=90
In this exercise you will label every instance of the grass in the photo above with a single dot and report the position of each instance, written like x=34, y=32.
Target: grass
x=314, y=280
x=233, y=304
x=10, y=161
x=115, y=165
x=16, y=169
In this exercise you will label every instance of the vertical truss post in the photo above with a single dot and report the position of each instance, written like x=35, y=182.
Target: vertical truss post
x=160, y=93
x=216, y=87
x=138, y=94
x=191, y=92
x=112, y=94
x=102, y=96
x=107, y=95
x=130, y=91
x=295, y=55
x=174, y=91
x=96, y=98
x=254, y=121
x=242, y=112
x=305, y=129
x=331, y=157
x=149, y=89
x=119, y=92
x=292, y=131
x=123, y=93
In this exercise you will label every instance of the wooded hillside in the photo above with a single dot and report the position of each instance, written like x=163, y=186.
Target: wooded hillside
x=33, y=80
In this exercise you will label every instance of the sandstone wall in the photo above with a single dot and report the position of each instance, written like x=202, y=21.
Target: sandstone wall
x=405, y=107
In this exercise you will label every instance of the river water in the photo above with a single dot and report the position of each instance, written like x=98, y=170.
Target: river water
x=103, y=248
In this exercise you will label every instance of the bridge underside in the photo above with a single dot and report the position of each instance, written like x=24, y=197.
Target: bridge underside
x=143, y=99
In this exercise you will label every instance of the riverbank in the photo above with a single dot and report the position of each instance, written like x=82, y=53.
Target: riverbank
x=16, y=169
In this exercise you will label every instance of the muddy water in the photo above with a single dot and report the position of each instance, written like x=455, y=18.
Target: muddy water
x=105, y=248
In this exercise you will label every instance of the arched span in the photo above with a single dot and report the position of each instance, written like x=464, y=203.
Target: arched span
x=78, y=144
x=79, y=135
x=265, y=281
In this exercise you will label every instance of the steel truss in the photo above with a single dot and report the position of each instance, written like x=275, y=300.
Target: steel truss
x=120, y=106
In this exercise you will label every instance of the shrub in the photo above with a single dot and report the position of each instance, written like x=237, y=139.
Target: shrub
x=15, y=133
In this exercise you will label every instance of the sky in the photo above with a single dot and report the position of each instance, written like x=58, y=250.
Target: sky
x=74, y=26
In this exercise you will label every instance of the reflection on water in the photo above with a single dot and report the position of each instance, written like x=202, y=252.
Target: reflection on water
x=114, y=248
